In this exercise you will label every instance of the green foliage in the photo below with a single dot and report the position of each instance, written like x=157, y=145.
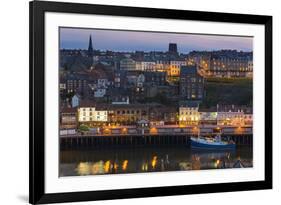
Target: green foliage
x=83, y=128
x=159, y=98
x=228, y=91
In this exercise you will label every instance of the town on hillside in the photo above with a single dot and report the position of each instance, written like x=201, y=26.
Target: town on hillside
x=157, y=92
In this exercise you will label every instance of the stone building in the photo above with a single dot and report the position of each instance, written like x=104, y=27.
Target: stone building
x=191, y=83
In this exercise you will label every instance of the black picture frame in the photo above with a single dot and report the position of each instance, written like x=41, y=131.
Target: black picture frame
x=37, y=10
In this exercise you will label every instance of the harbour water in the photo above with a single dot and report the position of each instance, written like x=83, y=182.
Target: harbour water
x=121, y=160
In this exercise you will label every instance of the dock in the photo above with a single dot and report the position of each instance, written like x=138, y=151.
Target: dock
x=106, y=140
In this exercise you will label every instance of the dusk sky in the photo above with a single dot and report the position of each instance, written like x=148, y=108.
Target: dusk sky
x=149, y=41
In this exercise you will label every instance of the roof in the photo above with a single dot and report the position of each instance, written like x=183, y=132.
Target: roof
x=126, y=106
x=68, y=110
x=87, y=103
x=91, y=104
x=234, y=108
x=77, y=95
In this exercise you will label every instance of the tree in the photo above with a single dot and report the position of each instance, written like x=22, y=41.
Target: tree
x=83, y=128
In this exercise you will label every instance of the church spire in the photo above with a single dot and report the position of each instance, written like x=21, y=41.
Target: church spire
x=90, y=48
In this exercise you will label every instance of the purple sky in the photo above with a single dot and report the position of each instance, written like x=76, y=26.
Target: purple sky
x=73, y=38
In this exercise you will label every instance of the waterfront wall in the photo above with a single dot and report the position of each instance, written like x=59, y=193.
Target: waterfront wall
x=140, y=140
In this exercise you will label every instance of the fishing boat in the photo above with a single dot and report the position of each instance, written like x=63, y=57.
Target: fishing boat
x=212, y=143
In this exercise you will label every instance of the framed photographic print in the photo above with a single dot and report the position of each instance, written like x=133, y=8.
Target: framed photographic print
x=140, y=102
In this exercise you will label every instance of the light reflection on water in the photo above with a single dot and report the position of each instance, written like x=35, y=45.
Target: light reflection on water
x=149, y=159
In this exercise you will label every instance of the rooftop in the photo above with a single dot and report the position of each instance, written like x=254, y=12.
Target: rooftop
x=68, y=110
x=234, y=108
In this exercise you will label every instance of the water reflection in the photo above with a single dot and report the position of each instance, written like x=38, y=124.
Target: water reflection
x=125, y=165
x=125, y=160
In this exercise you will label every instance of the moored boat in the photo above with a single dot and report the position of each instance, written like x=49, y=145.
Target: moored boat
x=211, y=143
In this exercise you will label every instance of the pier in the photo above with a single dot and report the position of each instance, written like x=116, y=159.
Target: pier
x=76, y=141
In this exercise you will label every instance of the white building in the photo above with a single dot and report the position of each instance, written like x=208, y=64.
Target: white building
x=162, y=66
x=90, y=114
x=231, y=118
x=249, y=72
x=178, y=63
x=145, y=65
x=188, y=114
x=208, y=117
x=230, y=115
